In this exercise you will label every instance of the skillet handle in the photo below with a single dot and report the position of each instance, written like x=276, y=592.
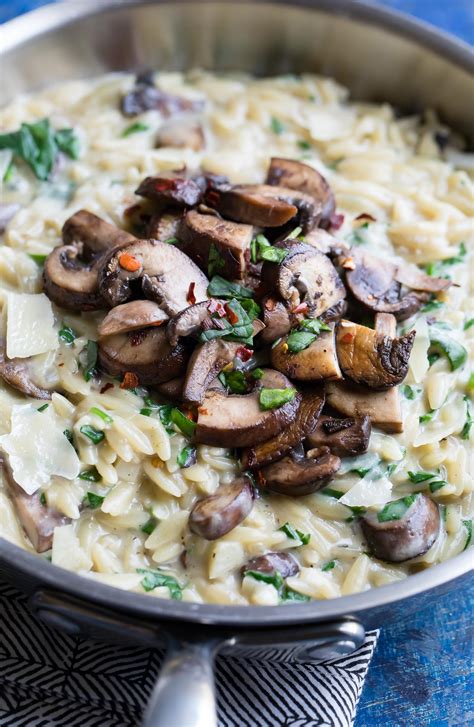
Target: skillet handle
x=184, y=693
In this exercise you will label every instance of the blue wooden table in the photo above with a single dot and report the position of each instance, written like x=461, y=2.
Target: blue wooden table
x=422, y=671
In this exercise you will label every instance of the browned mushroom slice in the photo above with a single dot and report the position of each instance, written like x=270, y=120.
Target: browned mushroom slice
x=370, y=358
x=335, y=312
x=172, y=389
x=145, y=96
x=383, y=407
x=317, y=361
x=305, y=275
x=132, y=316
x=238, y=420
x=296, y=175
x=37, y=520
x=258, y=204
x=182, y=133
x=207, y=360
x=297, y=476
x=170, y=190
x=274, y=449
x=403, y=529
x=345, y=437
x=93, y=232
x=165, y=274
x=285, y=563
x=199, y=234
x=413, y=277
x=19, y=373
x=188, y=322
x=70, y=282
x=164, y=226
x=214, y=516
x=276, y=318
x=145, y=353
x=326, y=243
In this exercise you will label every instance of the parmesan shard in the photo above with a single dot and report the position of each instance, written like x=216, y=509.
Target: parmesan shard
x=30, y=325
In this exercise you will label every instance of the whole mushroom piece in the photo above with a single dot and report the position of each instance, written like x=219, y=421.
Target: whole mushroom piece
x=296, y=476
x=345, y=437
x=20, y=374
x=215, y=515
x=283, y=563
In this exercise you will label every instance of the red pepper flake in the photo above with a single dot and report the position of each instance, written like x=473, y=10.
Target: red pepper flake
x=106, y=387
x=202, y=410
x=260, y=478
x=190, y=297
x=347, y=337
x=129, y=381
x=213, y=197
x=365, y=216
x=215, y=307
x=129, y=263
x=336, y=221
x=301, y=308
x=244, y=353
x=164, y=185
x=232, y=316
x=190, y=415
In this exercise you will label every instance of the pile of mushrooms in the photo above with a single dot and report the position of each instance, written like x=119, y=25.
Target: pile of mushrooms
x=231, y=303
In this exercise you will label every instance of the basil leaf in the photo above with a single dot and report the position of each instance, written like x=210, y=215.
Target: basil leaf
x=95, y=435
x=431, y=306
x=235, y=381
x=149, y=526
x=43, y=407
x=468, y=324
x=303, y=144
x=299, y=340
x=274, y=579
x=7, y=177
x=438, y=268
x=156, y=579
x=215, y=261
x=67, y=334
x=409, y=392
x=277, y=126
x=135, y=128
x=433, y=357
x=466, y=430
x=314, y=325
x=219, y=287
x=43, y=500
x=468, y=525
x=329, y=566
x=91, y=360
x=256, y=374
x=39, y=259
x=101, y=414
x=185, y=425
x=294, y=534
x=273, y=254
x=288, y=594
x=420, y=476
x=424, y=418
x=187, y=456
x=470, y=381
x=396, y=509
x=437, y=485
x=93, y=500
x=274, y=398
x=455, y=353
x=241, y=331
x=337, y=494
x=68, y=142
x=38, y=145
x=90, y=475
x=252, y=308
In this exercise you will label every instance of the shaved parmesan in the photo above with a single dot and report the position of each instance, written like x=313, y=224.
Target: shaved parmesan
x=419, y=363
x=373, y=489
x=37, y=448
x=30, y=325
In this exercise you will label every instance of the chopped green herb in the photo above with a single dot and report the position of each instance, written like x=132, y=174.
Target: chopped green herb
x=299, y=340
x=424, y=418
x=95, y=435
x=43, y=500
x=164, y=412
x=241, y=331
x=235, y=381
x=274, y=398
x=219, y=287
x=438, y=268
x=172, y=241
x=135, y=128
x=38, y=258
x=288, y=594
x=314, y=325
x=93, y=500
x=187, y=456
x=391, y=468
x=361, y=471
x=215, y=261
x=409, y=392
x=275, y=579
x=156, y=579
x=437, y=485
x=470, y=381
x=68, y=142
x=455, y=353
x=432, y=305
x=149, y=526
x=69, y=436
x=277, y=126
x=396, y=509
x=252, y=308
x=185, y=425
x=273, y=254
x=329, y=566
x=91, y=360
x=43, y=407
x=433, y=357
x=466, y=430
x=294, y=534
x=417, y=477
x=294, y=233
x=303, y=144
x=101, y=414
x=257, y=374
x=67, y=335
x=337, y=494
x=90, y=475
x=358, y=236
x=468, y=525
x=38, y=145
x=468, y=324
x=7, y=177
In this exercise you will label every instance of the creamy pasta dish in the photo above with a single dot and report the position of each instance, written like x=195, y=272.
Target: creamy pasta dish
x=237, y=336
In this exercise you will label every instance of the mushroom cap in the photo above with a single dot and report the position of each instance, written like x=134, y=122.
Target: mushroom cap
x=170, y=190
x=71, y=283
x=382, y=407
x=345, y=437
x=19, y=373
x=94, y=233
x=257, y=204
x=276, y=318
x=317, y=361
x=298, y=476
x=164, y=274
x=238, y=420
x=206, y=362
x=214, y=516
x=412, y=535
x=285, y=563
x=188, y=322
x=132, y=316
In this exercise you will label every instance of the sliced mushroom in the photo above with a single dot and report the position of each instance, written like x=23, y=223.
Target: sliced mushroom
x=296, y=476
x=370, y=358
x=172, y=389
x=386, y=324
x=296, y=175
x=214, y=516
x=283, y=563
x=164, y=226
x=132, y=316
x=199, y=234
x=170, y=190
x=206, y=362
x=317, y=361
x=335, y=312
x=376, y=284
x=20, y=373
x=164, y=273
x=238, y=420
x=305, y=275
x=94, y=233
x=383, y=407
x=182, y=133
x=145, y=96
x=37, y=520
x=345, y=437
x=70, y=282
x=146, y=353
x=276, y=318
x=326, y=243
x=409, y=535
x=274, y=449
x=188, y=322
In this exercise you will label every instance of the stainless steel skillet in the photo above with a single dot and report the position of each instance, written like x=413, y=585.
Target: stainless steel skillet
x=381, y=56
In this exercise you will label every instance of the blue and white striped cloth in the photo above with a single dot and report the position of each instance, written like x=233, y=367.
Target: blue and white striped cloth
x=48, y=679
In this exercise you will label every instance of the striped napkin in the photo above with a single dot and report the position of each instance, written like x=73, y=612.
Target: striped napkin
x=48, y=679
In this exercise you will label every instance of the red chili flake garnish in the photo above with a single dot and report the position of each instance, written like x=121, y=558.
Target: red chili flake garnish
x=213, y=197
x=129, y=381
x=232, y=316
x=202, y=410
x=244, y=353
x=348, y=337
x=336, y=221
x=106, y=387
x=162, y=185
x=301, y=308
x=129, y=263
x=137, y=337
x=191, y=415
x=270, y=304
x=190, y=297
x=215, y=307
x=260, y=478
x=365, y=216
